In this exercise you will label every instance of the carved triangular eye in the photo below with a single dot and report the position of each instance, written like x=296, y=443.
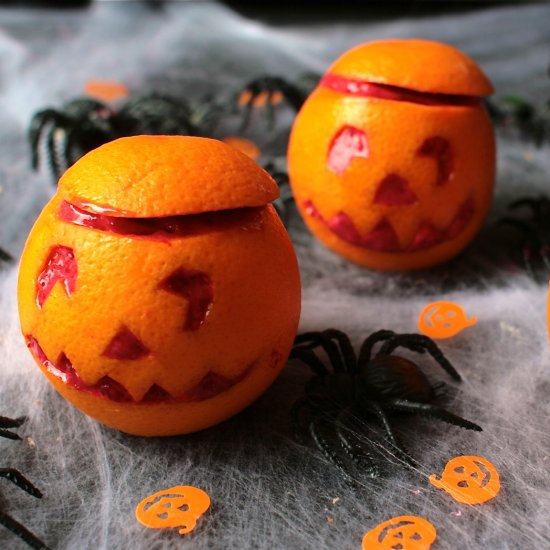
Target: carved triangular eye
x=394, y=190
x=125, y=345
x=440, y=150
x=197, y=288
x=348, y=143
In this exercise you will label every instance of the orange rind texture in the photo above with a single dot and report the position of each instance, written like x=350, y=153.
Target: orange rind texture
x=186, y=330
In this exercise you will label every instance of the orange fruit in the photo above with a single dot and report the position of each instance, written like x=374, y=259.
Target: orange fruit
x=158, y=290
x=392, y=158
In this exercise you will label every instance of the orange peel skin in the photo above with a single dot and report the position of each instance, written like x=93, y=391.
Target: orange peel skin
x=391, y=159
x=161, y=325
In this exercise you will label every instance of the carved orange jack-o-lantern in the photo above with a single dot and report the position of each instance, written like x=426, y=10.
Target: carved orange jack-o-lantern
x=403, y=532
x=468, y=479
x=392, y=157
x=158, y=290
x=178, y=506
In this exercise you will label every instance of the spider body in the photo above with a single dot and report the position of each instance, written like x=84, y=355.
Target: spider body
x=18, y=479
x=534, y=233
x=84, y=124
x=360, y=388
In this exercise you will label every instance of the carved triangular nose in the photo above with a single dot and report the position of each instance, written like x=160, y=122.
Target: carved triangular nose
x=394, y=190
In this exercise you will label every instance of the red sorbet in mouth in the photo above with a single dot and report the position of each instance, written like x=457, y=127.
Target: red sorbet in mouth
x=210, y=386
x=383, y=238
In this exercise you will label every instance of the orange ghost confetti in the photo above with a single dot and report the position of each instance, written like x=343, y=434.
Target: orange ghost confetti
x=249, y=148
x=178, y=506
x=106, y=90
x=468, y=479
x=443, y=320
x=403, y=532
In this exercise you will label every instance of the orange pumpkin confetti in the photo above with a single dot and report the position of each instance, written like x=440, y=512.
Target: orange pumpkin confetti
x=443, y=320
x=403, y=532
x=249, y=148
x=468, y=479
x=392, y=158
x=158, y=290
x=106, y=90
x=178, y=506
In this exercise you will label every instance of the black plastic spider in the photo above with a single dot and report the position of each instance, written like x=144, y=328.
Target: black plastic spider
x=17, y=478
x=5, y=256
x=84, y=124
x=534, y=233
x=270, y=90
x=285, y=198
x=359, y=388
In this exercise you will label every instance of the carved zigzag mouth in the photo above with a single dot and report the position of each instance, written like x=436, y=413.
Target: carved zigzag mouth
x=383, y=238
x=106, y=387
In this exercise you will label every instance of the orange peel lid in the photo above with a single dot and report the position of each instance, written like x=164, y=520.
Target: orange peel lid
x=420, y=65
x=156, y=176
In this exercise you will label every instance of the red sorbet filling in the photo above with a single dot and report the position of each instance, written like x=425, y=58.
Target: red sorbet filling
x=383, y=238
x=348, y=143
x=60, y=266
x=362, y=88
x=210, y=386
x=160, y=228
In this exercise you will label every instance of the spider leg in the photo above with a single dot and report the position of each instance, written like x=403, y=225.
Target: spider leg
x=327, y=449
x=312, y=340
x=295, y=412
x=39, y=121
x=403, y=455
x=346, y=349
x=22, y=532
x=56, y=134
x=416, y=342
x=366, y=347
x=428, y=409
x=5, y=256
x=355, y=450
x=17, y=478
x=309, y=358
x=545, y=255
x=6, y=422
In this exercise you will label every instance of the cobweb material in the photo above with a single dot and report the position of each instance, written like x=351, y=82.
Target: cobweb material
x=269, y=492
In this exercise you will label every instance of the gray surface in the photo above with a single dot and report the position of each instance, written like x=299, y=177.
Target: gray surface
x=268, y=492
